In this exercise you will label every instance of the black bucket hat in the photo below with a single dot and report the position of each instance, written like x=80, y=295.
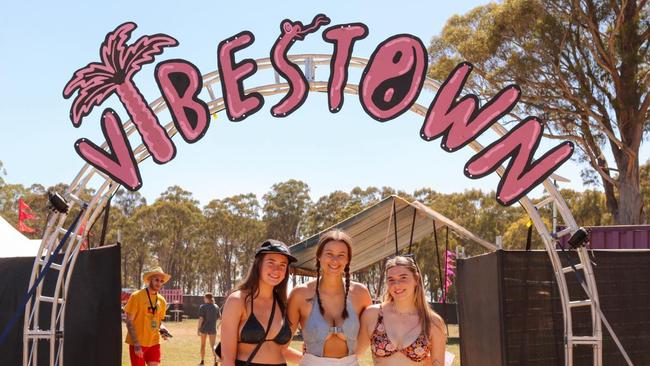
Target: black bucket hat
x=277, y=247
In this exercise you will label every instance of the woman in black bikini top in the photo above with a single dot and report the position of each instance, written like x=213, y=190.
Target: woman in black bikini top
x=253, y=332
x=254, y=328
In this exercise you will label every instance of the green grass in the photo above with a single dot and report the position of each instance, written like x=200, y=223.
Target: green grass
x=183, y=349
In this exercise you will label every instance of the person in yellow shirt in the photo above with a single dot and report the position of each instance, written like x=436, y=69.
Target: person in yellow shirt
x=145, y=312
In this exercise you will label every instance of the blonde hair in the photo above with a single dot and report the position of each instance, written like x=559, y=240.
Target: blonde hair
x=428, y=317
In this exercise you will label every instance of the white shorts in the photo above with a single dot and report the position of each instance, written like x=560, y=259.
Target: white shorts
x=311, y=360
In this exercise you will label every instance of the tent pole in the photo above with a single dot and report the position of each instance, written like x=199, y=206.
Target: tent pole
x=395, y=224
x=444, y=291
x=435, y=238
x=412, y=230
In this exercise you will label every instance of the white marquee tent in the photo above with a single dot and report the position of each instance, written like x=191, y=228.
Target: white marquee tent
x=14, y=244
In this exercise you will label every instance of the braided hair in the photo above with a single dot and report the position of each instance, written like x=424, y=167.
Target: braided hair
x=330, y=236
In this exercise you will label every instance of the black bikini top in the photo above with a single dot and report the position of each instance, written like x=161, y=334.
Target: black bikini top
x=253, y=332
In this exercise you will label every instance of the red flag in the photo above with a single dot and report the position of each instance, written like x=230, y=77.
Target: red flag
x=24, y=228
x=450, y=272
x=24, y=214
x=84, y=243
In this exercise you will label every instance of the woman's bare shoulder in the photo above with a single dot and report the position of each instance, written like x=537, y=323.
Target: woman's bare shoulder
x=370, y=314
x=303, y=291
x=360, y=295
x=237, y=298
x=358, y=288
x=373, y=309
x=235, y=303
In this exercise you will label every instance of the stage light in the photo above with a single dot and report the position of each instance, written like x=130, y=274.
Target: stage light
x=58, y=203
x=579, y=238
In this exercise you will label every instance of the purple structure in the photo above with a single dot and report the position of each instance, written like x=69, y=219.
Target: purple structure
x=617, y=237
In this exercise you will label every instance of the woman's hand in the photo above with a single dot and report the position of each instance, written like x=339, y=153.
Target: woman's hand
x=292, y=355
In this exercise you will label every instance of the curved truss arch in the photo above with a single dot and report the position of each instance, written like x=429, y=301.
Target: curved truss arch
x=107, y=188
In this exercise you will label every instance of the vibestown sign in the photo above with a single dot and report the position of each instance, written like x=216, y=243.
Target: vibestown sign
x=390, y=84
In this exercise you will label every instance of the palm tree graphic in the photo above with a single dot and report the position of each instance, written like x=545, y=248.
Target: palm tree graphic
x=114, y=74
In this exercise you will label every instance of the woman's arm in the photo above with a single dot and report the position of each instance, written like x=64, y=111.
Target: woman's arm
x=438, y=338
x=292, y=355
x=296, y=299
x=200, y=323
x=367, y=323
x=232, y=312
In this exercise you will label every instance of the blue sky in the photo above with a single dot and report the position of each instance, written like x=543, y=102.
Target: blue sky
x=43, y=45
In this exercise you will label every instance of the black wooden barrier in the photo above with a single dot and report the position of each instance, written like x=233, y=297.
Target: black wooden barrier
x=92, y=324
x=510, y=312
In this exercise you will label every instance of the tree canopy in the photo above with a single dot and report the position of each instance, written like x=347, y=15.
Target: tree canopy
x=582, y=67
x=210, y=247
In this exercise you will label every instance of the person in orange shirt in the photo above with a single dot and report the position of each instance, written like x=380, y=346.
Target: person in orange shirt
x=145, y=312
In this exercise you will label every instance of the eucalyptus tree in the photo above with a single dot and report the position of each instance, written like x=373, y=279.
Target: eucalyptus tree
x=583, y=69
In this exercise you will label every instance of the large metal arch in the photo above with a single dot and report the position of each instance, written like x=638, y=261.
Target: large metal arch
x=106, y=188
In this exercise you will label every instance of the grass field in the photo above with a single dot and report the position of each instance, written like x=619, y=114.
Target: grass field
x=183, y=349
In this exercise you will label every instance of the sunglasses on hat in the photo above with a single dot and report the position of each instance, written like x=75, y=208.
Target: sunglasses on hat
x=271, y=246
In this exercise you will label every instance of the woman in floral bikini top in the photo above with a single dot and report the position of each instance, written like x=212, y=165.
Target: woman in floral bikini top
x=381, y=345
x=406, y=313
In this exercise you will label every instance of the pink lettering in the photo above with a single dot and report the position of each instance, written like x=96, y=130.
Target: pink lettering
x=290, y=32
x=119, y=163
x=390, y=84
x=238, y=105
x=114, y=74
x=393, y=78
x=460, y=122
x=343, y=37
x=180, y=83
x=522, y=174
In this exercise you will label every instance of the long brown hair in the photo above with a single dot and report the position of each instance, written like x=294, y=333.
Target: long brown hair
x=428, y=317
x=330, y=236
x=251, y=283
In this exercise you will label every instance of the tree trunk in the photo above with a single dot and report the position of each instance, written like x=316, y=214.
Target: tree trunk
x=630, y=122
x=228, y=268
x=125, y=274
x=611, y=201
x=380, y=281
x=630, y=210
x=138, y=276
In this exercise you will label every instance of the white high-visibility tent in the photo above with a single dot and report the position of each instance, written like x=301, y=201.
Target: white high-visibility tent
x=373, y=233
x=14, y=244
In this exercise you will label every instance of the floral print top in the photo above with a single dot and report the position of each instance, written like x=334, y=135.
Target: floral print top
x=382, y=346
